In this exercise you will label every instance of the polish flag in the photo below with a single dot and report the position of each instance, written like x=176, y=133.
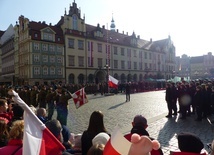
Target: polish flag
x=112, y=82
x=117, y=144
x=38, y=140
x=80, y=97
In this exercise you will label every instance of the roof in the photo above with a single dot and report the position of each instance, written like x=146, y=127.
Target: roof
x=198, y=59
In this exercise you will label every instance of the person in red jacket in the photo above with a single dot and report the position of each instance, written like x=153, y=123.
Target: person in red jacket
x=14, y=146
x=139, y=127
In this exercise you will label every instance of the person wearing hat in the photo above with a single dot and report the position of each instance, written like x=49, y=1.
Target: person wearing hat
x=139, y=126
x=189, y=143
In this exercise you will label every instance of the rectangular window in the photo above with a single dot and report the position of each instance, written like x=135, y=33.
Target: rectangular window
x=45, y=71
x=81, y=61
x=36, y=58
x=80, y=44
x=70, y=43
x=52, y=71
x=52, y=59
x=135, y=65
x=100, y=62
x=59, y=71
x=145, y=55
x=129, y=53
x=52, y=48
x=59, y=49
x=36, y=70
x=59, y=59
x=122, y=64
x=44, y=47
x=90, y=61
x=135, y=53
x=115, y=50
x=36, y=46
x=71, y=61
x=45, y=58
x=129, y=64
x=115, y=63
x=99, y=46
x=122, y=51
x=150, y=56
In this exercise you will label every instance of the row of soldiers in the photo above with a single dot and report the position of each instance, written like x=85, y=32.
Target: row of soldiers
x=192, y=97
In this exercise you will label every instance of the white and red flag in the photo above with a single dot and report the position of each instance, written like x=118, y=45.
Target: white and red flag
x=117, y=144
x=112, y=82
x=80, y=97
x=38, y=140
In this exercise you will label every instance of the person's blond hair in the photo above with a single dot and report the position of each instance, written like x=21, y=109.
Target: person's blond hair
x=17, y=130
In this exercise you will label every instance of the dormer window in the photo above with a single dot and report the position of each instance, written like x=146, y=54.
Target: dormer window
x=75, y=22
x=35, y=35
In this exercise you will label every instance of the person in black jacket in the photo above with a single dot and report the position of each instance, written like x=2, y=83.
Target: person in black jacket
x=128, y=91
x=198, y=101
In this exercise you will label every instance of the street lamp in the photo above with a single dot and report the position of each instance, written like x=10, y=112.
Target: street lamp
x=107, y=67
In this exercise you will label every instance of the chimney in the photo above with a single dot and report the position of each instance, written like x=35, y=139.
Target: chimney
x=127, y=33
x=103, y=26
x=50, y=24
x=150, y=39
x=117, y=30
x=138, y=36
x=123, y=32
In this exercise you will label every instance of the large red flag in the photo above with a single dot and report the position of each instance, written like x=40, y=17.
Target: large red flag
x=80, y=97
x=38, y=140
x=112, y=82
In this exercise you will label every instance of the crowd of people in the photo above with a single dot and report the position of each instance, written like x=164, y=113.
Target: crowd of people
x=195, y=97
x=190, y=98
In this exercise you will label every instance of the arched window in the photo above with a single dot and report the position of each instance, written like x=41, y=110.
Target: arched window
x=71, y=78
x=123, y=78
x=90, y=78
x=116, y=76
x=141, y=77
x=135, y=77
x=75, y=22
x=80, y=79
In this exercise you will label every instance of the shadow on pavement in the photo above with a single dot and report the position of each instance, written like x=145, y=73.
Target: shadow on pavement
x=115, y=106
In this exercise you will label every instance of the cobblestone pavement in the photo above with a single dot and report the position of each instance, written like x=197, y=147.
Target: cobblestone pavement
x=152, y=105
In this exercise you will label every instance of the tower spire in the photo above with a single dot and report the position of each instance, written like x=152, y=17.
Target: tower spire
x=112, y=24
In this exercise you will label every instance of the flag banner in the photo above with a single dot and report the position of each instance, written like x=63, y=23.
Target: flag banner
x=117, y=144
x=80, y=98
x=38, y=140
x=112, y=82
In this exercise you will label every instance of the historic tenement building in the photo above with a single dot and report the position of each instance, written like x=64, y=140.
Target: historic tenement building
x=73, y=51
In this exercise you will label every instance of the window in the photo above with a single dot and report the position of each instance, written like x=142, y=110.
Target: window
x=81, y=61
x=45, y=58
x=52, y=59
x=135, y=65
x=115, y=50
x=74, y=22
x=71, y=61
x=36, y=46
x=44, y=47
x=36, y=58
x=58, y=39
x=100, y=62
x=35, y=35
x=48, y=36
x=59, y=49
x=129, y=64
x=59, y=59
x=122, y=51
x=70, y=43
x=36, y=70
x=52, y=48
x=59, y=71
x=145, y=55
x=45, y=71
x=135, y=53
x=99, y=46
x=115, y=63
x=80, y=44
x=150, y=56
x=122, y=64
x=52, y=71
x=129, y=53
x=140, y=54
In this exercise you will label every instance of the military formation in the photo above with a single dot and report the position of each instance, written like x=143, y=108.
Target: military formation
x=187, y=98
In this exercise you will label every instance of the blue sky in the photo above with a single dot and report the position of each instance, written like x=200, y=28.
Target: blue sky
x=189, y=22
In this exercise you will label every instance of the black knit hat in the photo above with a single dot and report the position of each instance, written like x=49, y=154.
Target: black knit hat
x=188, y=142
